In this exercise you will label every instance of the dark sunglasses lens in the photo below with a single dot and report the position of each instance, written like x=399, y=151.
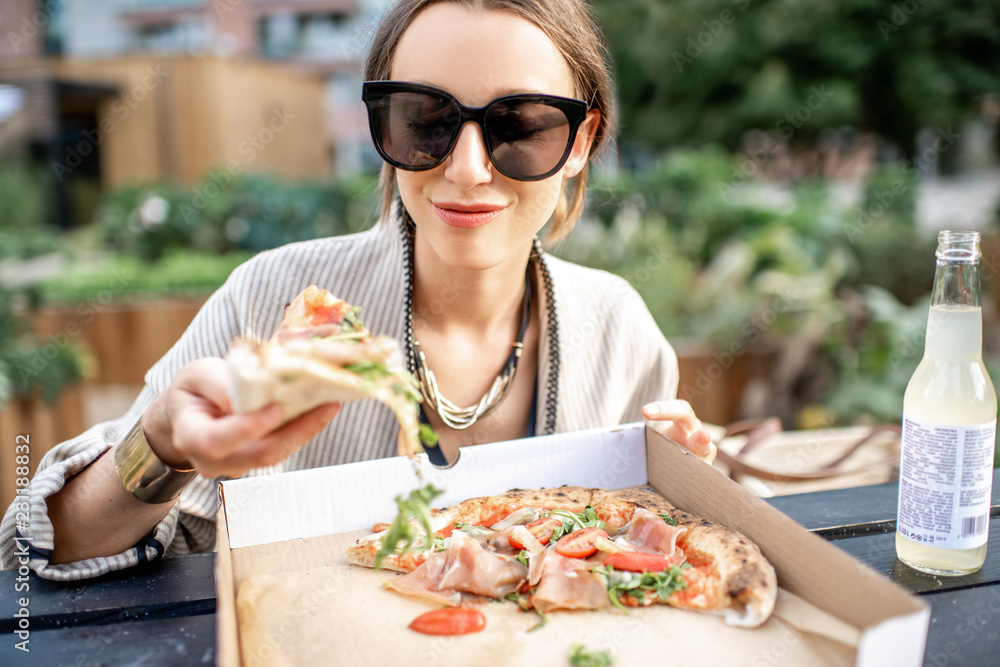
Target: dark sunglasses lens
x=527, y=138
x=415, y=129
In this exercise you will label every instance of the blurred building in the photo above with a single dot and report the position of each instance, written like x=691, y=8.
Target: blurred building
x=110, y=91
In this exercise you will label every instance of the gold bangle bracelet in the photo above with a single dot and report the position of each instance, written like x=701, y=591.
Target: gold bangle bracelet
x=143, y=474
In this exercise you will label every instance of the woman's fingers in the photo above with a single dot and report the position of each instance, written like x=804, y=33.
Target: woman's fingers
x=232, y=444
x=676, y=420
x=192, y=422
x=281, y=443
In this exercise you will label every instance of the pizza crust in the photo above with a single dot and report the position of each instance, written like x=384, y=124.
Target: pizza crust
x=261, y=374
x=264, y=373
x=744, y=590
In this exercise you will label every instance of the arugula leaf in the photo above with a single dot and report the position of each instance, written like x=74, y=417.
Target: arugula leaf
x=575, y=520
x=368, y=370
x=474, y=531
x=428, y=437
x=404, y=532
x=353, y=320
x=543, y=619
x=669, y=519
x=345, y=336
x=515, y=596
x=522, y=557
x=582, y=657
x=622, y=582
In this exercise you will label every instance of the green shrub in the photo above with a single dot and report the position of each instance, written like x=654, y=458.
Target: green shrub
x=178, y=273
x=41, y=368
x=24, y=232
x=148, y=220
x=248, y=212
x=839, y=296
x=30, y=367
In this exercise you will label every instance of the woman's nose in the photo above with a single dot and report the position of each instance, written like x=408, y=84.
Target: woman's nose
x=469, y=162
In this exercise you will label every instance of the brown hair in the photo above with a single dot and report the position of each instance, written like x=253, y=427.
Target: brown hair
x=571, y=27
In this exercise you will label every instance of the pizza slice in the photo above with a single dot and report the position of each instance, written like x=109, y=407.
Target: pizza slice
x=322, y=353
x=577, y=548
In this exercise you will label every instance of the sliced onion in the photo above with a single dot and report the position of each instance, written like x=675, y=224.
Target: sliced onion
x=530, y=542
x=478, y=532
x=521, y=516
x=606, y=545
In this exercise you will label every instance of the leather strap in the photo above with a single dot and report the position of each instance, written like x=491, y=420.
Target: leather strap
x=759, y=430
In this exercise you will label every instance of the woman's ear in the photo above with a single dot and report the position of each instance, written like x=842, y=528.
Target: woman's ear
x=580, y=153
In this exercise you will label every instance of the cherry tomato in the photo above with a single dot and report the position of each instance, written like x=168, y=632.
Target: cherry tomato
x=579, y=543
x=634, y=561
x=542, y=529
x=449, y=621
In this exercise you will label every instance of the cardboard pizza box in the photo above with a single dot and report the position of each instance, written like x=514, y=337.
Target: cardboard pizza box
x=292, y=529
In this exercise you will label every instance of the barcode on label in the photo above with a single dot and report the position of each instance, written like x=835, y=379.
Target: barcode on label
x=974, y=525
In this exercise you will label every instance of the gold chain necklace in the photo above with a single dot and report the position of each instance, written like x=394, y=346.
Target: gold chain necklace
x=452, y=415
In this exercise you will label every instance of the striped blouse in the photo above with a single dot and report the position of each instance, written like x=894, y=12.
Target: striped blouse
x=601, y=358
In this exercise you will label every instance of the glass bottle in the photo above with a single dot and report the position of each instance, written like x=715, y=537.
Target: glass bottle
x=949, y=425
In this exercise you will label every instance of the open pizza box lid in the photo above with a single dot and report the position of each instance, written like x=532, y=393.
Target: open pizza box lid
x=838, y=611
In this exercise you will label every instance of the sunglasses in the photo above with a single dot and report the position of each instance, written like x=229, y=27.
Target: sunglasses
x=415, y=127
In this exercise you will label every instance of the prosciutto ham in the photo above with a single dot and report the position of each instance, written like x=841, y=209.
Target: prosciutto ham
x=464, y=567
x=648, y=533
x=422, y=583
x=565, y=583
x=469, y=565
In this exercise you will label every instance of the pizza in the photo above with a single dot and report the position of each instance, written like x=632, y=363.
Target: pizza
x=570, y=548
x=322, y=353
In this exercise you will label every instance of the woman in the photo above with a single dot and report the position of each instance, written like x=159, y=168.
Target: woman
x=453, y=271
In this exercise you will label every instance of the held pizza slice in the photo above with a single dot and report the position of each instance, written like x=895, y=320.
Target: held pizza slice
x=578, y=548
x=322, y=353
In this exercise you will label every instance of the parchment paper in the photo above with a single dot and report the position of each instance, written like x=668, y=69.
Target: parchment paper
x=342, y=615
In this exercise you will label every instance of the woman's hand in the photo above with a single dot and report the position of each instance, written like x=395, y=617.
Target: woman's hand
x=676, y=420
x=191, y=424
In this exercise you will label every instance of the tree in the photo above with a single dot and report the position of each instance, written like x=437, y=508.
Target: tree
x=709, y=70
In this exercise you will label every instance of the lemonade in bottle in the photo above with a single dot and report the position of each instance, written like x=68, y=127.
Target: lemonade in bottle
x=949, y=425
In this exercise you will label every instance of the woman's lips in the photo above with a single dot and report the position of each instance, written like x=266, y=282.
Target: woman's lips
x=467, y=217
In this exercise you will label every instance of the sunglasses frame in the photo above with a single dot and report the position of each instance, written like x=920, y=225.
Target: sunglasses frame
x=373, y=92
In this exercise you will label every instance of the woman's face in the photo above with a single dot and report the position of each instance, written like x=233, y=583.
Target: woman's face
x=469, y=215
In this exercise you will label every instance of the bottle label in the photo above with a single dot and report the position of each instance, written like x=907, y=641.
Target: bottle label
x=945, y=480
